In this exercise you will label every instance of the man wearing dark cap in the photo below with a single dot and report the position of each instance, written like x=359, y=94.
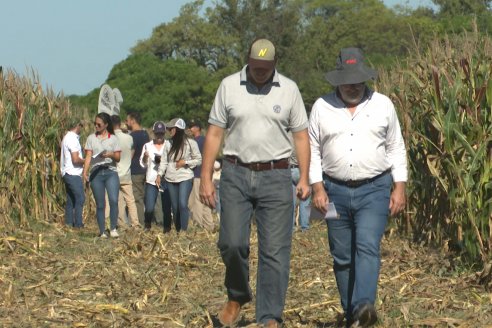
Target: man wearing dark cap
x=199, y=212
x=256, y=109
x=358, y=163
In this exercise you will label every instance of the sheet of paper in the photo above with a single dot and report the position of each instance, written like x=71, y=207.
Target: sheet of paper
x=97, y=158
x=98, y=155
x=331, y=212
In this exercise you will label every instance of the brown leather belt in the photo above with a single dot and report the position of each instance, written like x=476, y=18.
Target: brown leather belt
x=355, y=183
x=260, y=166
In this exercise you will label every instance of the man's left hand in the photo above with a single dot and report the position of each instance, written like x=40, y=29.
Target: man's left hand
x=398, y=198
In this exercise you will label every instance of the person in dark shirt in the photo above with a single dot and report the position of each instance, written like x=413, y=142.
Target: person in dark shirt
x=140, y=138
x=199, y=213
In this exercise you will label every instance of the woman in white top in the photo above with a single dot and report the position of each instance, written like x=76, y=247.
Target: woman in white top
x=177, y=163
x=102, y=152
x=151, y=158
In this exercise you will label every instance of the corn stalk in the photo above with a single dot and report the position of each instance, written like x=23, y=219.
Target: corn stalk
x=33, y=123
x=444, y=99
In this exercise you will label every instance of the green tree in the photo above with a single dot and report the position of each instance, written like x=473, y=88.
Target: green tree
x=458, y=16
x=192, y=37
x=164, y=89
x=462, y=7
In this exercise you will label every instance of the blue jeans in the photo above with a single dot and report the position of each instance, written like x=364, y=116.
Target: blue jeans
x=180, y=193
x=269, y=195
x=304, y=205
x=102, y=181
x=75, y=200
x=355, y=238
x=151, y=193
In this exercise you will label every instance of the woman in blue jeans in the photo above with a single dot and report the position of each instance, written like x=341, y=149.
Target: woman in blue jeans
x=102, y=152
x=151, y=158
x=180, y=156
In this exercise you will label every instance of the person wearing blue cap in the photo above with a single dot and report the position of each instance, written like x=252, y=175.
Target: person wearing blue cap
x=358, y=162
x=150, y=159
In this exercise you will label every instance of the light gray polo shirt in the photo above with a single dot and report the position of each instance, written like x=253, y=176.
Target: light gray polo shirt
x=96, y=145
x=258, y=122
x=123, y=166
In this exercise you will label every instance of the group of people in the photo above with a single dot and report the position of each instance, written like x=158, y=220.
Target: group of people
x=127, y=173
x=349, y=153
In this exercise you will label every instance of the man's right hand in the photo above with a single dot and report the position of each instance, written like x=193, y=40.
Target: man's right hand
x=207, y=192
x=319, y=198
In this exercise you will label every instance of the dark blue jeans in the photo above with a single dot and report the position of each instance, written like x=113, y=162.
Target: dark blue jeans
x=102, y=181
x=269, y=195
x=75, y=200
x=151, y=193
x=180, y=193
x=355, y=238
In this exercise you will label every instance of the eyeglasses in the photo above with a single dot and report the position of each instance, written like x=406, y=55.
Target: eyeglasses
x=98, y=125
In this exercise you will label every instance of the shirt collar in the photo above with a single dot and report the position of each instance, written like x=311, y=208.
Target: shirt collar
x=367, y=96
x=244, y=76
x=75, y=134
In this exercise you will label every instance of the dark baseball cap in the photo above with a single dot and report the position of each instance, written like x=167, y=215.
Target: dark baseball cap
x=194, y=122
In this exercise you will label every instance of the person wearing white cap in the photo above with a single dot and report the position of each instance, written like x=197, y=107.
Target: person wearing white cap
x=180, y=156
x=150, y=158
x=258, y=107
x=359, y=164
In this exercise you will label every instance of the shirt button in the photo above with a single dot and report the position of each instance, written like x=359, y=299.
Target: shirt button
x=350, y=165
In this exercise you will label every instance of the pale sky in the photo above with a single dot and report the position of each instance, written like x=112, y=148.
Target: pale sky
x=73, y=44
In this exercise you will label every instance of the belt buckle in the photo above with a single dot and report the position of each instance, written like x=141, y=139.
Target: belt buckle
x=256, y=167
x=350, y=183
x=353, y=183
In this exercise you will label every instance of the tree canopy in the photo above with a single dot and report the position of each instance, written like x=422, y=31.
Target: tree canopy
x=176, y=71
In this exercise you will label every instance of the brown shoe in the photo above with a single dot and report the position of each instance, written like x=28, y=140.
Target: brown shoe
x=272, y=324
x=229, y=315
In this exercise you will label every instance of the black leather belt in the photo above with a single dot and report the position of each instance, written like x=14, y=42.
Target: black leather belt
x=355, y=183
x=260, y=166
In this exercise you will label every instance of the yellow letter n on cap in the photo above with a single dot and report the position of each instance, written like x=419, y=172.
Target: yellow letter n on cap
x=262, y=52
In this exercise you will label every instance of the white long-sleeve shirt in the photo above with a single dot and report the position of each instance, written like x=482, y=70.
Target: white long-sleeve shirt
x=150, y=163
x=359, y=146
x=192, y=156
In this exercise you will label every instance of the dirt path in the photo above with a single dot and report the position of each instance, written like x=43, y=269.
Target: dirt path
x=67, y=278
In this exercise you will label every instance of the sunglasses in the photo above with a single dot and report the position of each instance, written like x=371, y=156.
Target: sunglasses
x=98, y=125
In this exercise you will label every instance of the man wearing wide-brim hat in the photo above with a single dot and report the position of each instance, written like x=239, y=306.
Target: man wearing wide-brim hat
x=358, y=163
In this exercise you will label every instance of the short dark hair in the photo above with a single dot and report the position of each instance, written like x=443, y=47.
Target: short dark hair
x=135, y=115
x=116, y=120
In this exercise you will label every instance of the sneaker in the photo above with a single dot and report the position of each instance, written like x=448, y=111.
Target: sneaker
x=103, y=236
x=114, y=234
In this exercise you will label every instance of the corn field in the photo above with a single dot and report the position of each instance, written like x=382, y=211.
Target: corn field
x=444, y=98
x=34, y=122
